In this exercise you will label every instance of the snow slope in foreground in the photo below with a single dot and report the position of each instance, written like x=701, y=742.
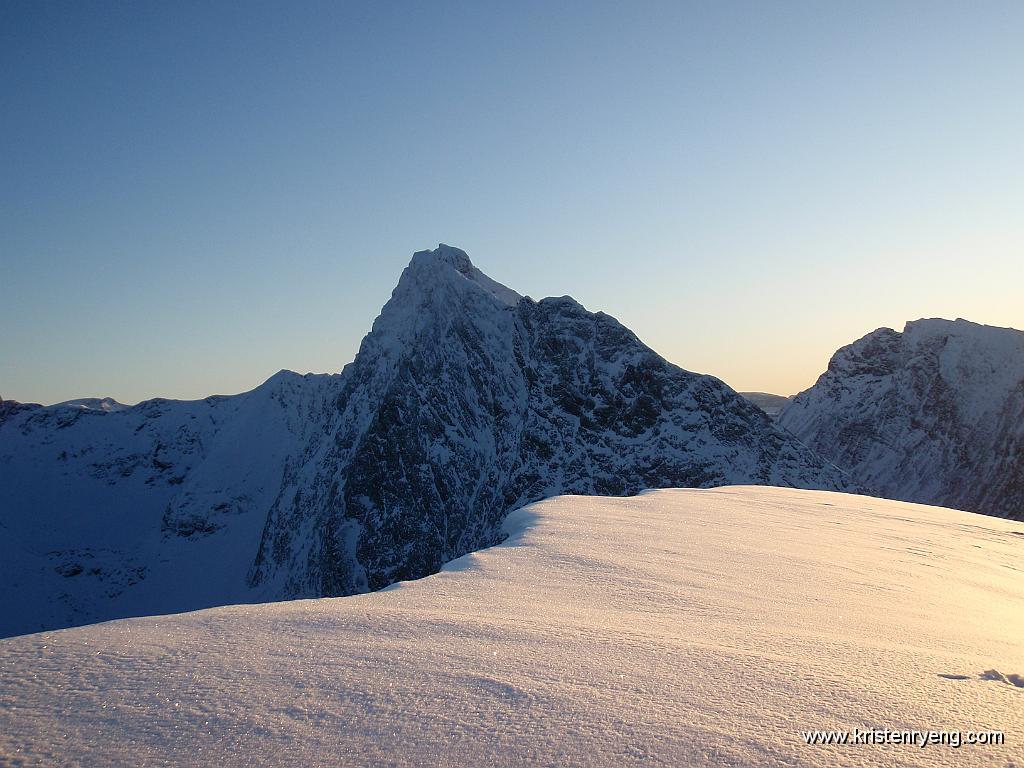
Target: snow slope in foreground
x=678, y=627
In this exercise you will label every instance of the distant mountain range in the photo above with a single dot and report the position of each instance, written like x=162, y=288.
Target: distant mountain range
x=771, y=404
x=465, y=401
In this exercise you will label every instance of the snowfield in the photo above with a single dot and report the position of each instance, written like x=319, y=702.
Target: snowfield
x=705, y=627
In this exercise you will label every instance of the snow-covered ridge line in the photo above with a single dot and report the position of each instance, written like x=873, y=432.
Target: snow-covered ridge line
x=670, y=628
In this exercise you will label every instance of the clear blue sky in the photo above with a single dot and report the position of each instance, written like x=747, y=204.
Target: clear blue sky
x=193, y=196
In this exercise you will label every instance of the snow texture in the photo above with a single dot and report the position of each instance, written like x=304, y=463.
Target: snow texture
x=679, y=627
x=934, y=414
x=465, y=401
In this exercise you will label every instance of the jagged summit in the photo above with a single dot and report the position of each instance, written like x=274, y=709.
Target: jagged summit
x=448, y=264
x=444, y=255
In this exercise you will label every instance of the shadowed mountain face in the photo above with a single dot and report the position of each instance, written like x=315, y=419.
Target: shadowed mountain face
x=465, y=401
x=934, y=414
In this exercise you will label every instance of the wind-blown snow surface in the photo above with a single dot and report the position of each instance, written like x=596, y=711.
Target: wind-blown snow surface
x=680, y=627
x=465, y=401
x=934, y=414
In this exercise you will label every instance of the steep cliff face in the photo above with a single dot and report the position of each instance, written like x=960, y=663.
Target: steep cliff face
x=465, y=401
x=934, y=414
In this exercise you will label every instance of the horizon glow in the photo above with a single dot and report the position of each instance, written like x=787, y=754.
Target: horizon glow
x=194, y=197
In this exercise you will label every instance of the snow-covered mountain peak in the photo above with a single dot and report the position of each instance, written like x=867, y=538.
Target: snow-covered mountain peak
x=451, y=265
x=466, y=401
x=991, y=337
x=983, y=361
x=439, y=290
x=936, y=326
x=933, y=414
x=105, y=404
x=444, y=255
x=869, y=355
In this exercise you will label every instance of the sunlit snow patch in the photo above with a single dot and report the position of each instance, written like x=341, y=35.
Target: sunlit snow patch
x=679, y=627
